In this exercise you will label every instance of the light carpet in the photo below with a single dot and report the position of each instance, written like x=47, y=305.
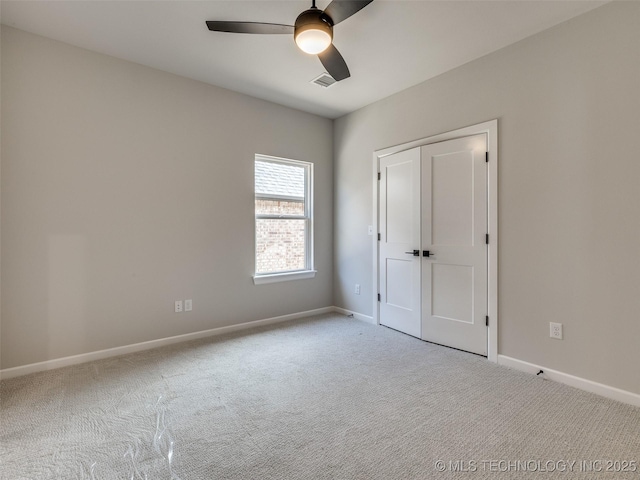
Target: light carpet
x=323, y=398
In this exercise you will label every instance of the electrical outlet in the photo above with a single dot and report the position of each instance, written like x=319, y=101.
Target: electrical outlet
x=555, y=330
x=357, y=289
x=178, y=306
x=188, y=305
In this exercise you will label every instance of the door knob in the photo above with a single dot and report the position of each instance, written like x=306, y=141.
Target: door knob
x=427, y=253
x=415, y=253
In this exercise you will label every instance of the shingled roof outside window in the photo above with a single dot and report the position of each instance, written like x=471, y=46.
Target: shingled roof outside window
x=279, y=180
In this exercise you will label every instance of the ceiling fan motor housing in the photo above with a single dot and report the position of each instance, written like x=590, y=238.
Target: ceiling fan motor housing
x=313, y=19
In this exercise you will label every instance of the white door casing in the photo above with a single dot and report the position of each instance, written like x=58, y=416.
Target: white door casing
x=400, y=295
x=454, y=228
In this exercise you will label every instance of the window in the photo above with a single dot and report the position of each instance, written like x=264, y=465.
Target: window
x=284, y=220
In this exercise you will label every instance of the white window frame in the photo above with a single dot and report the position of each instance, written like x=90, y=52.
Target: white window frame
x=308, y=271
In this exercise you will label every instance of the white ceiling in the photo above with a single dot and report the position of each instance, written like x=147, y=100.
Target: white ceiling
x=389, y=46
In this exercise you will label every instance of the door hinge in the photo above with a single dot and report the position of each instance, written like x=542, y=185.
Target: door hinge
x=487, y=320
x=378, y=297
x=486, y=157
x=486, y=239
x=379, y=237
x=378, y=175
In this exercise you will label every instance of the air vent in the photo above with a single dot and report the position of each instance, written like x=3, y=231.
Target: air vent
x=325, y=80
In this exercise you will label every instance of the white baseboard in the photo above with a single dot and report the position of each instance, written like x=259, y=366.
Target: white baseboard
x=137, y=347
x=356, y=315
x=555, y=375
x=573, y=381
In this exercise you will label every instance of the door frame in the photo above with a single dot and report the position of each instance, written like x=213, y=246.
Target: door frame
x=489, y=128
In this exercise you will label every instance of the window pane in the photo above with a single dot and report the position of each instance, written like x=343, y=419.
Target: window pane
x=279, y=207
x=279, y=180
x=281, y=192
x=280, y=245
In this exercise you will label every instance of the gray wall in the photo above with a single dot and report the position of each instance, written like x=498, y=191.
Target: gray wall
x=568, y=104
x=124, y=189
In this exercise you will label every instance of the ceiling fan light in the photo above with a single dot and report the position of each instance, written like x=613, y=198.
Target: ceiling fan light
x=312, y=33
x=313, y=40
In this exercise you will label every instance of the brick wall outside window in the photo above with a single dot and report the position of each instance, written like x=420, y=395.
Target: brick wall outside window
x=280, y=243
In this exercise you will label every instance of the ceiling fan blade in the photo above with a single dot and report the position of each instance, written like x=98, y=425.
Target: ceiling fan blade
x=340, y=10
x=334, y=63
x=249, y=27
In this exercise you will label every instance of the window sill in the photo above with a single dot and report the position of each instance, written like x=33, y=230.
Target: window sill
x=283, y=277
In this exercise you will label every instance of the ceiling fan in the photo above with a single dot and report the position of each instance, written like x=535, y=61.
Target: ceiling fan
x=312, y=32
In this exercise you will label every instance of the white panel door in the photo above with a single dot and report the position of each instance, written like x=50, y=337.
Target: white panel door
x=399, y=241
x=454, y=225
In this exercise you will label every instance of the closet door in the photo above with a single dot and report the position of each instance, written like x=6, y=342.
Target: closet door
x=454, y=249
x=399, y=255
